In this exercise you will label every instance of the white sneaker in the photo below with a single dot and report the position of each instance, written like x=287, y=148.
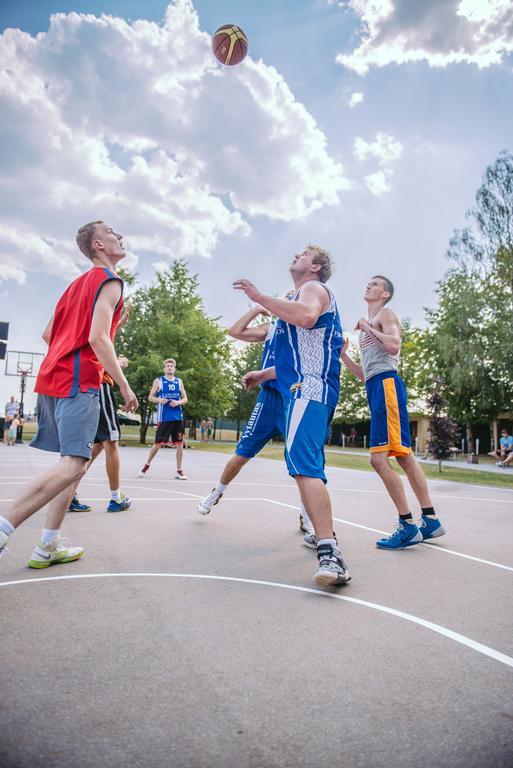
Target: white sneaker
x=180, y=475
x=210, y=501
x=4, y=538
x=142, y=473
x=52, y=553
x=305, y=525
x=332, y=570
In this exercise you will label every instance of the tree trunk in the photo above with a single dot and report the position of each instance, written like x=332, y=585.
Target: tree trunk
x=238, y=429
x=470, y=439
x=439, y=465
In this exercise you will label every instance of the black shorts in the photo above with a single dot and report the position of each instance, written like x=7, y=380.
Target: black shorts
x=170, y=432
x=108, y=426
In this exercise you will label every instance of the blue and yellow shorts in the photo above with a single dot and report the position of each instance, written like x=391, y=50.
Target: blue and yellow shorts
x=390, y=426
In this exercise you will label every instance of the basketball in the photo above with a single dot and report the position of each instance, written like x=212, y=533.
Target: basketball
x=229, y=44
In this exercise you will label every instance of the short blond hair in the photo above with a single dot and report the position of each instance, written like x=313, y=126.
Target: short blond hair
x=170, y=360
x=85, y=236
x=323, y=258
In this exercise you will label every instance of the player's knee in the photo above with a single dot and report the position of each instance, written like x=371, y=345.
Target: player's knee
x=377, y=461
x=75, y=467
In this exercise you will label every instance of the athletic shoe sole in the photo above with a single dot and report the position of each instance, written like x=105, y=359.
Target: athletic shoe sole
x=436, y=534
x=39, y=564
x=330, y=579
x=417, y=539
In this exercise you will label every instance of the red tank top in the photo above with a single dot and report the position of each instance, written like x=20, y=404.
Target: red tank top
x=70, y=363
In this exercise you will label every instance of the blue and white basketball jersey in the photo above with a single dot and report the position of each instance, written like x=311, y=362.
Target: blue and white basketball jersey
x=269, y=355
x=170, y=389
x=308, y=359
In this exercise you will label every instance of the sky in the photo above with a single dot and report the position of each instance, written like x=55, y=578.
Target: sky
x=361, y=125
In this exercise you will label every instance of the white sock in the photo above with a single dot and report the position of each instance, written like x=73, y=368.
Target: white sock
x=116, y=495
x=6, y=526
x=49, y=535
x=331, y=542
x=220, y=487
x=306, y=519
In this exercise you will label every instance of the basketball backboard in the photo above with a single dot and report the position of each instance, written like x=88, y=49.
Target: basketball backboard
x=23, y=363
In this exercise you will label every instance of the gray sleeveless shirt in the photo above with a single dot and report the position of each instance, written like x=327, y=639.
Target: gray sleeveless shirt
x=373, y=359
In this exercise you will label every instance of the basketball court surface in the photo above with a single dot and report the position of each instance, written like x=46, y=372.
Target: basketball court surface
x=191, y=642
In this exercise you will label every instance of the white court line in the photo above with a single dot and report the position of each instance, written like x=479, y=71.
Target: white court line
x=452, y=497
x=438, y=628
x=433, y=548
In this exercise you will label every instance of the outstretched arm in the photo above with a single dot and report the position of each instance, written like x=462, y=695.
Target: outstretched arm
x=389, y=338
x=253, y=379
x=242, y=332
x=100, y=341
x=350, y=364
x=47, y=333
x=304, y=312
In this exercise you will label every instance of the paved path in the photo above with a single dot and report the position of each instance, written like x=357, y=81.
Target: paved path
x=194, y=642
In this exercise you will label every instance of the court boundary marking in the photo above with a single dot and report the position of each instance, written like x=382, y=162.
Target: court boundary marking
x=485, y=650
x=194, y=497
x=432, y=547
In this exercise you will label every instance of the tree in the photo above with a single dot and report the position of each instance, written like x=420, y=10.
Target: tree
x=415, y=363
x=352, y=403
x=444, y=430
x=472, y=329
x=168, y=320
x=244, y=360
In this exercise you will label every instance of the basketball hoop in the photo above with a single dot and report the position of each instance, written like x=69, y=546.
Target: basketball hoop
x=24, y=369
x=25, y=365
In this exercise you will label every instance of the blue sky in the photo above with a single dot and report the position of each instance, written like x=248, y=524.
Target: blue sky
x=363, y=125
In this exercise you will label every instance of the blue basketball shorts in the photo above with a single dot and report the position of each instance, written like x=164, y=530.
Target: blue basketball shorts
x=390, y=425
x=266, y=421
x=307, y=423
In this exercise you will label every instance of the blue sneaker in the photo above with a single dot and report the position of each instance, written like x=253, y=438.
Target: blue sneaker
x=76, y=506
x=404, y=536
x=119, y=506
x=430, y=528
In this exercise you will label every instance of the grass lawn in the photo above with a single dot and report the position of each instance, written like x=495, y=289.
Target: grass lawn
x=334, y=458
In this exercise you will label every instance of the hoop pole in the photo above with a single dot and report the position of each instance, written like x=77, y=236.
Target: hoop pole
x=19, y=431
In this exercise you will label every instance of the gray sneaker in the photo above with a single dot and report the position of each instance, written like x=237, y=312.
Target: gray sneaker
x=304, y=525
x=310, y=539
x=332, y=570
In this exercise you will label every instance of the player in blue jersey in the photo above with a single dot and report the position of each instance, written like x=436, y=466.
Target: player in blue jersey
x=168, y=392
x=307, y=367
x=266, y=420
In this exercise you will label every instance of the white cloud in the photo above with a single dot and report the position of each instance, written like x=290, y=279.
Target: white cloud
x=386, y=150
x=354, y=99
x=377, y=182
x=439, y=32
x=137, y=124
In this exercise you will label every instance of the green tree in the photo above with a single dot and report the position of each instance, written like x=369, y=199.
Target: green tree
x=472, y=328
x=168, y=320
x=352, y=403
x=246, y=359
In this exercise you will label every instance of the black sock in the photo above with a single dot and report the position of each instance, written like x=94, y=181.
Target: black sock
x=406, y=517
x=428, y=512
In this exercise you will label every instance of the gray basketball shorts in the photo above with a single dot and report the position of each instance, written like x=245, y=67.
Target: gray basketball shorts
x=67, y=425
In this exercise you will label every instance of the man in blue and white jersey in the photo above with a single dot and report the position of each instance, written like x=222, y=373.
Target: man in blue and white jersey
x=308, y=343
x=168, y=392
x=267, y=418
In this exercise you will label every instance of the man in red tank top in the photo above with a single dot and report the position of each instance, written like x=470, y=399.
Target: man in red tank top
x=79, y=338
